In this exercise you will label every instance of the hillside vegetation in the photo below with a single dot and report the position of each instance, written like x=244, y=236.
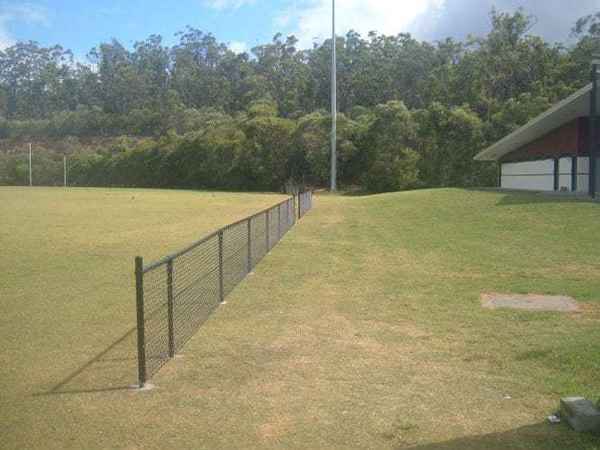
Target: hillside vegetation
x=413, y=113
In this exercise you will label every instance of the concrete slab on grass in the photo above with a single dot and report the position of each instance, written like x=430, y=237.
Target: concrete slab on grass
x=581, y=414
x=529, y=302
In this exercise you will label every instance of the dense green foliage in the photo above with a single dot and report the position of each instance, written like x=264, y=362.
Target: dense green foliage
x=412, y=113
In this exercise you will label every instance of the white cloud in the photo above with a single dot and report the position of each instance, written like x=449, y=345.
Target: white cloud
x=227, y=4
x=238, y=47
x=458, y=18
x=23, y=13
x=310, y=20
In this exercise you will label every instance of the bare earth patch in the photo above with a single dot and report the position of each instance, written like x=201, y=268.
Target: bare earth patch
x=530, y=302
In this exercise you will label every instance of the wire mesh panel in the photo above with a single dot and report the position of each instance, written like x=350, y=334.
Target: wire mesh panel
x=304, y=202
x=273, y=227
x=291, y=213
x=285, y=217
x=258, y=240
x=176, y=294
x=156, y=319
x=235, y=255
x=196, y=289
x=179, y=295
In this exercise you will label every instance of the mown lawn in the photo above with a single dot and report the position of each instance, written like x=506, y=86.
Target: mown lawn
x=362, y=328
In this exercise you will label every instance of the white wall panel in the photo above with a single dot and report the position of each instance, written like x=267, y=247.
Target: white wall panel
x=542, y=167
x=583, y=174
x=528, y=175
x=583, y=183
x=529, y=183
x=565, y=177
x=583, y=165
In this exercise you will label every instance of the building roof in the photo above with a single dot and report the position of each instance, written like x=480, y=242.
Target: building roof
x=577, y=105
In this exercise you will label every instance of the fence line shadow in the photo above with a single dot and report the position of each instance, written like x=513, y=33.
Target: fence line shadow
x=538, y=436
x=113, y=369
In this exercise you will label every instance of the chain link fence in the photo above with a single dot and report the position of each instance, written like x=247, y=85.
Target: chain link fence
x=176, y=294
x=304, y=202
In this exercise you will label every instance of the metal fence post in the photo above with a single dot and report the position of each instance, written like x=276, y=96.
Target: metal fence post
x=299, y=206
x=170, y=308
x=250, y=245
x=267, y=231
x=139, y=297
x=221, y=289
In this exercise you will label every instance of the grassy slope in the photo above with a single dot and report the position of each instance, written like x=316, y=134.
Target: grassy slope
x=362, y=329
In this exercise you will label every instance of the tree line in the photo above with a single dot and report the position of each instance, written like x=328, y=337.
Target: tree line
x=412, y=113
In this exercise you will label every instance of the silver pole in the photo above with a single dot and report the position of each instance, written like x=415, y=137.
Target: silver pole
x=30, y=171
x=593, y=124
x=333, y=102
x=65, y=169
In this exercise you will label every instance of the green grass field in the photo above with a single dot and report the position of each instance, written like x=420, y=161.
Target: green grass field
x=361, y=329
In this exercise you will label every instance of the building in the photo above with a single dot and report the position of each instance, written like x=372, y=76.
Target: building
x=552, y=152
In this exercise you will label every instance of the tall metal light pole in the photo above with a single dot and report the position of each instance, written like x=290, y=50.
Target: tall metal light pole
x=594, y=124
x=333, y=102
x=30, y=171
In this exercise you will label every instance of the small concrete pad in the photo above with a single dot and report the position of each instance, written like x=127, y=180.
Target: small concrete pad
x=530, y=302
x=581, y=414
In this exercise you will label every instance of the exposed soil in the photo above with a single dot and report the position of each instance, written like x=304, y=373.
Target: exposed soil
x=530, y=302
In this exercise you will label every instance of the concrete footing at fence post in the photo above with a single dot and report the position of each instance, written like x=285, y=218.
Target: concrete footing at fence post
x=146, y=387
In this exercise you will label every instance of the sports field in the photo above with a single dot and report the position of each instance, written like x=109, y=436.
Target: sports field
x=361, y=329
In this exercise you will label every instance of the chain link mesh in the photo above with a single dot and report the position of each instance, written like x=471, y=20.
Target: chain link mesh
x=304, y=202
x=180, y=291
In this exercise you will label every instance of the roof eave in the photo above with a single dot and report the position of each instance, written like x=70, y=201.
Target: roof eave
x=512, y=142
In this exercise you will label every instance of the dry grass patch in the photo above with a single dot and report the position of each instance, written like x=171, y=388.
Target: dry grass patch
x=530, y=302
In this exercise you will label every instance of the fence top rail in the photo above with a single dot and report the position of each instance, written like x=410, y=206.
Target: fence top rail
x=233, y=224
x=165, y=259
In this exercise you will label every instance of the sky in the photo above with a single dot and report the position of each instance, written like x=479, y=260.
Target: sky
x=80, y=25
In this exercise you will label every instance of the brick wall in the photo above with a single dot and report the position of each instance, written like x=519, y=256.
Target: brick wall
x=568, y=140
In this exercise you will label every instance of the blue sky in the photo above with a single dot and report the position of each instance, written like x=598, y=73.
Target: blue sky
x=80, y=25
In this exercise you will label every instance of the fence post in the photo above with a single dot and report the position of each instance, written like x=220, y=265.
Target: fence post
x=221, y=289
x=170, y=308
x=250, y=245
x=139, y=297
x=299, y=206
x=267, y=229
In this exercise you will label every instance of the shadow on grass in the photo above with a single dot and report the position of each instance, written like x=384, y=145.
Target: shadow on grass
x=538, y=436
x=522, y=198
x=515, y=197
x=356, y=193
x=113, y=369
